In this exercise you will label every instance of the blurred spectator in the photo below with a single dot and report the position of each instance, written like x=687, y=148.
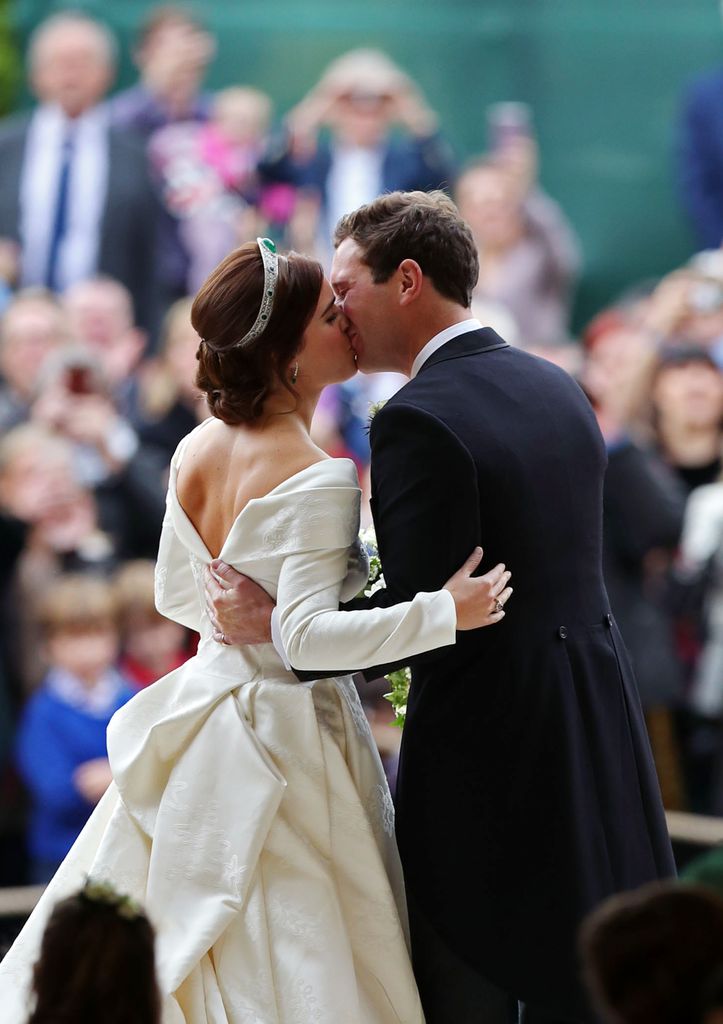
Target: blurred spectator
x=655, y=956
x=13, y=536
x=152, y=645
x=39, y=487
x=172, y=53
x=360, y=98
x=700, y=157
x=687, y=400
x=61, y=746
x=31, y=329
x=621, y=354
x=209, y=180
x=96, y=962
x=701, y=560
x=9, y=270
x=55, y=521
x=170, y=403
x=643, y=506
x=529, y=256
x=341, y=420
x=686, y=307
x=75, y=402
x=74, y=191
x=100, y=313
x=700, y=568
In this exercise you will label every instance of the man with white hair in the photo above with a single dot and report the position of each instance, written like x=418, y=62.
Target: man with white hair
x=74, y=190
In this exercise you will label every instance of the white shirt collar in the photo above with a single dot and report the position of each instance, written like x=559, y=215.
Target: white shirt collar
x=464, y=327
x=98, y=701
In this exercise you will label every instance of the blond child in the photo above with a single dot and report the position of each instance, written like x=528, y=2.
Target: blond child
x=152, y=645
x=61, y=746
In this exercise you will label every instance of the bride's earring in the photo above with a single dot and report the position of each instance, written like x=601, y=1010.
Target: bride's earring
x=295, y=373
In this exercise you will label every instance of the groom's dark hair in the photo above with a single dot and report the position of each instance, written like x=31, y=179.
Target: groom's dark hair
x=421, y=226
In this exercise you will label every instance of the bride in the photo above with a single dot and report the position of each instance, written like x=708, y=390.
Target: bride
x=249, y=812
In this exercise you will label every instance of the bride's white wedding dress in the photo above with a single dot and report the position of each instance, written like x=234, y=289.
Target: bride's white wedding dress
x=249, y=812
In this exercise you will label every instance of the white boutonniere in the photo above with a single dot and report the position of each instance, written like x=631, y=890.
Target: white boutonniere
x=374, y=408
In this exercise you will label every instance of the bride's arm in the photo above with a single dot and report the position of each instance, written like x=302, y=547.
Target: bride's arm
x=176, y=594
x=316, y=636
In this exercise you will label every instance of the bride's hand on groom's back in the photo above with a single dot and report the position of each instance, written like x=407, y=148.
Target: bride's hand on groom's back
x=239, y=609
x=479, y=600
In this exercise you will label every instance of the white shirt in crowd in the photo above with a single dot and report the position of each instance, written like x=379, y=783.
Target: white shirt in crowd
x=355, y=178
x=88, y=183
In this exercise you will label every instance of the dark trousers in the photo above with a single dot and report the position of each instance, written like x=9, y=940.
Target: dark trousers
x=452, y=992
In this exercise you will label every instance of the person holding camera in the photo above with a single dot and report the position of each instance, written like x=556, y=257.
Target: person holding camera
x=75, y=402
x=359, y=99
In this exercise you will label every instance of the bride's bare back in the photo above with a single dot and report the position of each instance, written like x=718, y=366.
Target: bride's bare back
x=224, y=467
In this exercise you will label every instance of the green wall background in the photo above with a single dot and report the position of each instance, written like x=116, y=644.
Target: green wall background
x=604, y=78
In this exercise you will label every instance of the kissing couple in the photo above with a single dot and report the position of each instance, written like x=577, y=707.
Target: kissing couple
x=249, y=812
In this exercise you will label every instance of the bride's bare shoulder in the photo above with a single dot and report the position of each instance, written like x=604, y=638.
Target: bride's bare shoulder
x=229, y=465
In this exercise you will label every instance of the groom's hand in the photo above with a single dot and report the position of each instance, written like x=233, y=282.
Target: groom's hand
x=239, y=609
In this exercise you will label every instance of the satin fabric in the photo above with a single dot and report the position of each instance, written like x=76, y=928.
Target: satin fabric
x=249, y=812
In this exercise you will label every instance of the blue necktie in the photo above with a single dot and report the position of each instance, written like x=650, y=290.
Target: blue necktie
x=60, y=220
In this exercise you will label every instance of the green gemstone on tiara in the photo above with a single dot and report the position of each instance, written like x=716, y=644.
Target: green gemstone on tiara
x=270, y=260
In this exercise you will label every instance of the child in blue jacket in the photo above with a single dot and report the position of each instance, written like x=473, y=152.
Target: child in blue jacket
x=61, y=746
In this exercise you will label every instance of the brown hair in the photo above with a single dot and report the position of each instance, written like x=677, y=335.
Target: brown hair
x=655, y=956
x=421, y=226
x=135, y=589
x=160, y=18
x=237, y=379
x=96, y=966
x=77, y=603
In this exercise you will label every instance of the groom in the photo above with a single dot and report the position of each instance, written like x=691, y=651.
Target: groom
x=526, y=792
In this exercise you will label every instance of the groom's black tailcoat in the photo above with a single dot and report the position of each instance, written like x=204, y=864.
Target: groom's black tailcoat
x=526, y=792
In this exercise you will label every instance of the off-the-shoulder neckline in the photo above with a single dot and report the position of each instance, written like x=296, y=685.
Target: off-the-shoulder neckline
x=252, y=501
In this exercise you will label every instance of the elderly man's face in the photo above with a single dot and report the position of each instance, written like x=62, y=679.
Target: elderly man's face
x=71, y=68
x=32, y=331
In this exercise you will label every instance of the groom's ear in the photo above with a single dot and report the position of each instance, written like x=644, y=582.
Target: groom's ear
x=411, y=279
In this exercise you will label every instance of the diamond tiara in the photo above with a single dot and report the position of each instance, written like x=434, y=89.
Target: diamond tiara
x=267, y=248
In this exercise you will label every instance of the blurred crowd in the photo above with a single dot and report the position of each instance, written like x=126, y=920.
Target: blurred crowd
x=114, y=208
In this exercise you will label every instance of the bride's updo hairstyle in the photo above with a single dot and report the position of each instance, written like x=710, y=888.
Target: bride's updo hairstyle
x=235, y=373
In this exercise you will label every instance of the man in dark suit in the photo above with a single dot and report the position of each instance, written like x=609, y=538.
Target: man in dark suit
x=74, y=191
x=526, y=790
